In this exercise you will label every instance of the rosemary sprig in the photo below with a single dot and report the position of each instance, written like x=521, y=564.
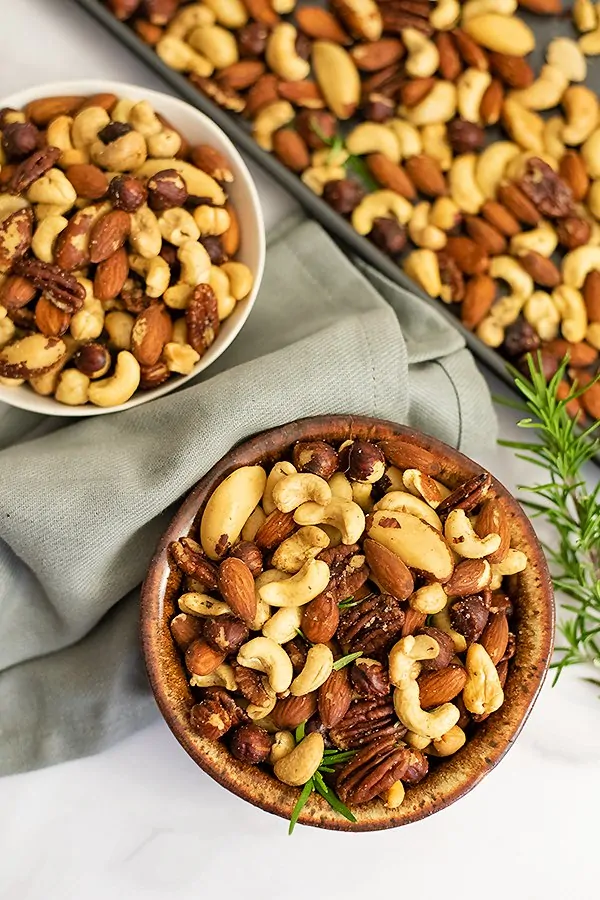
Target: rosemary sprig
x=565, y=502
x=350, y=601
x=355, y=163
x=346, y=660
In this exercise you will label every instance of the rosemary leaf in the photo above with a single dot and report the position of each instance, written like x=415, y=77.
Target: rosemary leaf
x=346, y=660
x=300, y=804
x=332, y=798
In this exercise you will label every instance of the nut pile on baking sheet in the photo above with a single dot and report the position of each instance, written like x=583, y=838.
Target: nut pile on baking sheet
x=351, y=590
x=117, y=249
x=508, y=230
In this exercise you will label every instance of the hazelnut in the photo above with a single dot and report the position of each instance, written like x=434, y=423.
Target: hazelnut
x=225, y=633
x=418, y=767
x=379, y=108
x=7, y=114
x=465, y=137
x=303, y=45
x=185, y=630
x=214, y=247
x=316, y=127
x=297, y=651
x=127, y=193
x=93, y=360
x=520, y=338
x=250, y=744
x=166, y=190
x=388, y=235
x=316, y=457
x=469, y=616
x=214, y=716
x=446, y=646
x=343, y=195
x=252, y=39
x=362, y=461
x=19, y=139
x=370, y=678
x=573, y=232
x=250, y=554
x=114, y=130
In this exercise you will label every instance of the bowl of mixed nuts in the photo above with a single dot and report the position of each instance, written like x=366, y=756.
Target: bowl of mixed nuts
x=131, y=246
x=347, y=623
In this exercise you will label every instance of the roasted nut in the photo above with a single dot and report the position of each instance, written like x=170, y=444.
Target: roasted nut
x=185, y=630
x=19, y=139
x=225, y=633
x=166, y=190
x=362, y=461
x=343, y=195
x=469, y=616
x=127, y=192
x=370, y=678
x=316, y=457
x=213, y=716
x=250, y=744
x=93, y=360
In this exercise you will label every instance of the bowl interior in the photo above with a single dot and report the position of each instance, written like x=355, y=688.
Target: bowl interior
x=534, y=625
x=197, y=128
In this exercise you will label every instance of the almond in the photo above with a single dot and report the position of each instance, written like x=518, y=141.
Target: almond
x=230, y=239
x=262, y=11
x=334, y=698
x=406, y=455
x=591, y=295
x=501, y=218
x=50, y=320
x=41, y=112
x=275, y=529
x=390, y=175
x=109, y=234
x=543, y=7
x=242, y=74
x=320, y=24
x=484, y=234
x=412, y=92
x=495, y=636
x=426, y=175
x=573, y=407
x=292, y=711
x=450, y=62
x=480, y=293
x=152, y=329
x=472, y=54
x=377, y=55
x=518, y=204
x=106, y=101
x=572, y=170
x=391, y=574
x=573, y=232
x=111, y=275
x=490, y=107
x=72, y=245
x=441, y=686
x=16, y=231
x=88, y=180
x=236, y=585
x=202, y=659
x=542, y=270
x=470, y=258
x=261, y=94
x=514, y=71
x=16, y=292
x=302, y=93
x=590, y=399
x=492, y=519
x=469, y=577
x=581, y=355
x=320, y=618
x=413, y=621
x=291, y=150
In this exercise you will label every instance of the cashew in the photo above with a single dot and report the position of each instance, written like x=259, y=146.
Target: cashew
x=240, y=278
x=423, y=58
x=300, y=765
x=124, y=154
x=553, y=142
x=316, y=177
x=283, y=626
x=490, y=332
x=438, y=106
x=425, y=487
x=301, y=588
x=72, y=388
x=523, y=125
x=436, y=145
x=514, y=562
x=421, y=232
x=195, y=263
x=474, y=8
x=340, y=486
x=166, y=143
x=542, y=240
x=86, y=125
x=395, y=476
x=380, y=204
x=143, y=118
x=292, y=491
x=264, y=655
x=563, y=53
x=423, y=267
x=584, y=15
x=404, y=669
x=215, y=44
x=509, y=270
x=180, y=358
x=344, y=515
x=361, y=494
x=394, y=796
x=315, y=672
x=282, y=746
x=211, y=219
x=580, y=106
x=58, y=134
x=302, y=546
x=405, y=655
x=441, y=620
x=7, y=329
x=53, y=188
x=589, y=44
x=197, y=604
x=445, y=15
x=281, y=55
x=541, y=312
x=571, y=307
x=593, y=199
x=506, y=310
x=370, y=137
x=491, y=164
x=178, y=226
x=219, y=282
x=590, y=153
x=400, y=501
x=546, y=91
x=122, y=109
x=256, y=518
x=577, y=264
x=228, y=509
x=44, y=237
x=416, y=741
x=429, y=599
x=464, y=185
x=482, y=693
x=470, y=88
x=156, y=273
x=145, y=236
x=592, y=334
x=279, y=471
x=197, y=182
x=230, y=13
x=223, y=676
x=450, y=742
x=337, y=77
x=87, y=323
x=119, y=326
x=46, y=384
x=192, y=16
x=118, y=388
x=418, y=544
x=263, y=610
x=461, y=536
x=408, y=136
x=179, y=56
x=271, y=119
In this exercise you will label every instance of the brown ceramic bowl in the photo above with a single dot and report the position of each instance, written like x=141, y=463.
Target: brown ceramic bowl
x=534, y=623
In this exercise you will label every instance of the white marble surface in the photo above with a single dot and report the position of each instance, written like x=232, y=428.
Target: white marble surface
x=141, y=821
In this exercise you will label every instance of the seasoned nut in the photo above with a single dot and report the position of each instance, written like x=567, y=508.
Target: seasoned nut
x=127, y=192
x=185, y=630
x=388, y=235
x=215, y=715
x=378, y=108
x=362, y=461
x=166, y=190
x=544, y=188
x=252, y=39
x=214, y=247
x=373, y=771
x=446, y=649
x=292, y=711
x=250, y=744
x=316, y=126
x=465, y=137
x=93, y=360
x=469, y=616
x=343, y=195
x=317, y=457
x=225, y=633
x=19, y=139
x=202, y=659
x=249, y=554
x=370, y=678
x=320, y=618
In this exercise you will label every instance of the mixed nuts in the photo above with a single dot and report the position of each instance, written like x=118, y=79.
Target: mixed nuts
x=117, y=249
x=503, y=229
x=344, y=617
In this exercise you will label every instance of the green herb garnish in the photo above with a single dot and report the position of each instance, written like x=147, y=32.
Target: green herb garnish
x=346, y=660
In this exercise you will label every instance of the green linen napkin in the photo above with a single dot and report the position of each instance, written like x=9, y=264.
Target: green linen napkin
x=82, y=504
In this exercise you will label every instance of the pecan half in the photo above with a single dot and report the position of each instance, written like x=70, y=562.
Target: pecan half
x=202, y=318
x=372, y=626
x=251, y=686
x=32, y=168
x=372, y=771
x=547, y=191
x=189, y=557
x=365, y=721
x=59, y=286
x=348, y=571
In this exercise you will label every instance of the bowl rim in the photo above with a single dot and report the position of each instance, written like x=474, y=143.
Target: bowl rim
x=494, y=737
x=28, y=399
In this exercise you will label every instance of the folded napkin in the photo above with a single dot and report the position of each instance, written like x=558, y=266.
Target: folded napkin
x=82, y=504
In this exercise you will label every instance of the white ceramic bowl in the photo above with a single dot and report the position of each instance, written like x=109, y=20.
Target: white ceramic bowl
x=197, y=128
